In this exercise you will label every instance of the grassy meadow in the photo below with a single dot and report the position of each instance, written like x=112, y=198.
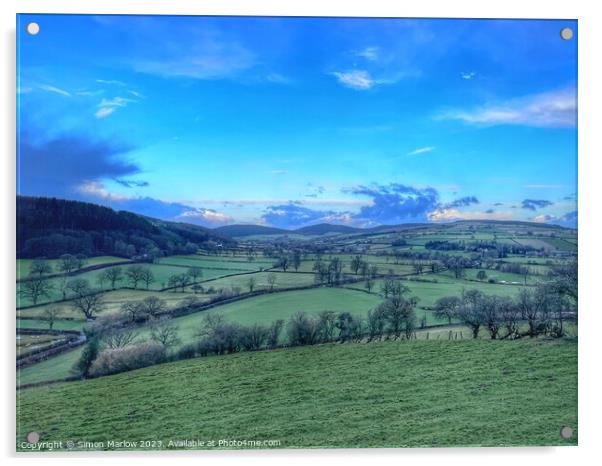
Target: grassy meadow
x=386, y=394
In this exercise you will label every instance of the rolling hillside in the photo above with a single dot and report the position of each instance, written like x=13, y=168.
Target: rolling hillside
x=386, y=394
x=49, y=227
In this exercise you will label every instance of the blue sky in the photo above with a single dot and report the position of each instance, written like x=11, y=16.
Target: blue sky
x=294, y=121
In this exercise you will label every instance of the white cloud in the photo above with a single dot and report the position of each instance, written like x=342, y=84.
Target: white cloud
x=444, y=215
x=549, y=109
x=104, y=112
x=355, y=79
x=56, y=90
x=422, y=150
x=206, y=215
x=278, y=172
x=369, y=53
x=468, y=75
x=97, y=189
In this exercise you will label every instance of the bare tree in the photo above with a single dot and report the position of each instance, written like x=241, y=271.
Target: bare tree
x=194, y=273
x=327, y=320
x=165, y=332
x=68, y=263
x=147, y=276
x=112, y=275
x=34, y=289
x=274, y=333
x=50, y=315
x=296, y=260
x=376, y=323
x=469, y=311
x=134, y=310
x=356, y=264
x=40, y=267
x=271, y=280
x=88, y=304
x=253, y=337
x=153, y=306
x=134, y=274
x=119, y=338
x=251, y=281
x=447, y=308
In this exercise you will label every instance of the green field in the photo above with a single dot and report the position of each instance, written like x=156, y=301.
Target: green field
x=261, y=309
x=55, y=368
x=387, y=394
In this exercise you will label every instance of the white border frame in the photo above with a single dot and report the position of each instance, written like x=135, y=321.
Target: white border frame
x=590, y=77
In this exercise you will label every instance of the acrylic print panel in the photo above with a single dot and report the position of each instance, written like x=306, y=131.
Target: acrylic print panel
x=261, y=233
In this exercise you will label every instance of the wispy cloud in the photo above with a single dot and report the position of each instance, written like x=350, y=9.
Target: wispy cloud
x=549, y=109
x=545, y=186
x=468, y=75
x=278, y=172
x=355, y=79
x=369, y=53
x=88, y=93
x=205, y=58
x=54, y=89
x=421, y=150
x=108, y=106
x=136, y=94
x=104, y=112
x=111, y=82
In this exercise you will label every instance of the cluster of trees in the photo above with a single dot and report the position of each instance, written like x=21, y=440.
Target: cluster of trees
x=540, y=310
x=330, y=273
x=445, y=245
x=289, y=259
x=182, y=280
x=36, y=287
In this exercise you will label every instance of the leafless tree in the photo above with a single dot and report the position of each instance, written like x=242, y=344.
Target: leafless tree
x=51, y=314
x=165, y=332
x=271, y=280
x=119, y=338
x=88, y=304
x=34, y=289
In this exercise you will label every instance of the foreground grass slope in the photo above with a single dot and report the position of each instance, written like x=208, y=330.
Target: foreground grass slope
x=385, y=394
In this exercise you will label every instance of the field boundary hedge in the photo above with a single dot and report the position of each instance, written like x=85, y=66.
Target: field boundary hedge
x=46, y=352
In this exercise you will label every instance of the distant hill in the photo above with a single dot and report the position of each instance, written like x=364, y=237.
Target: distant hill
x=49, y=227
x=325, y=228
x=249, y=230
